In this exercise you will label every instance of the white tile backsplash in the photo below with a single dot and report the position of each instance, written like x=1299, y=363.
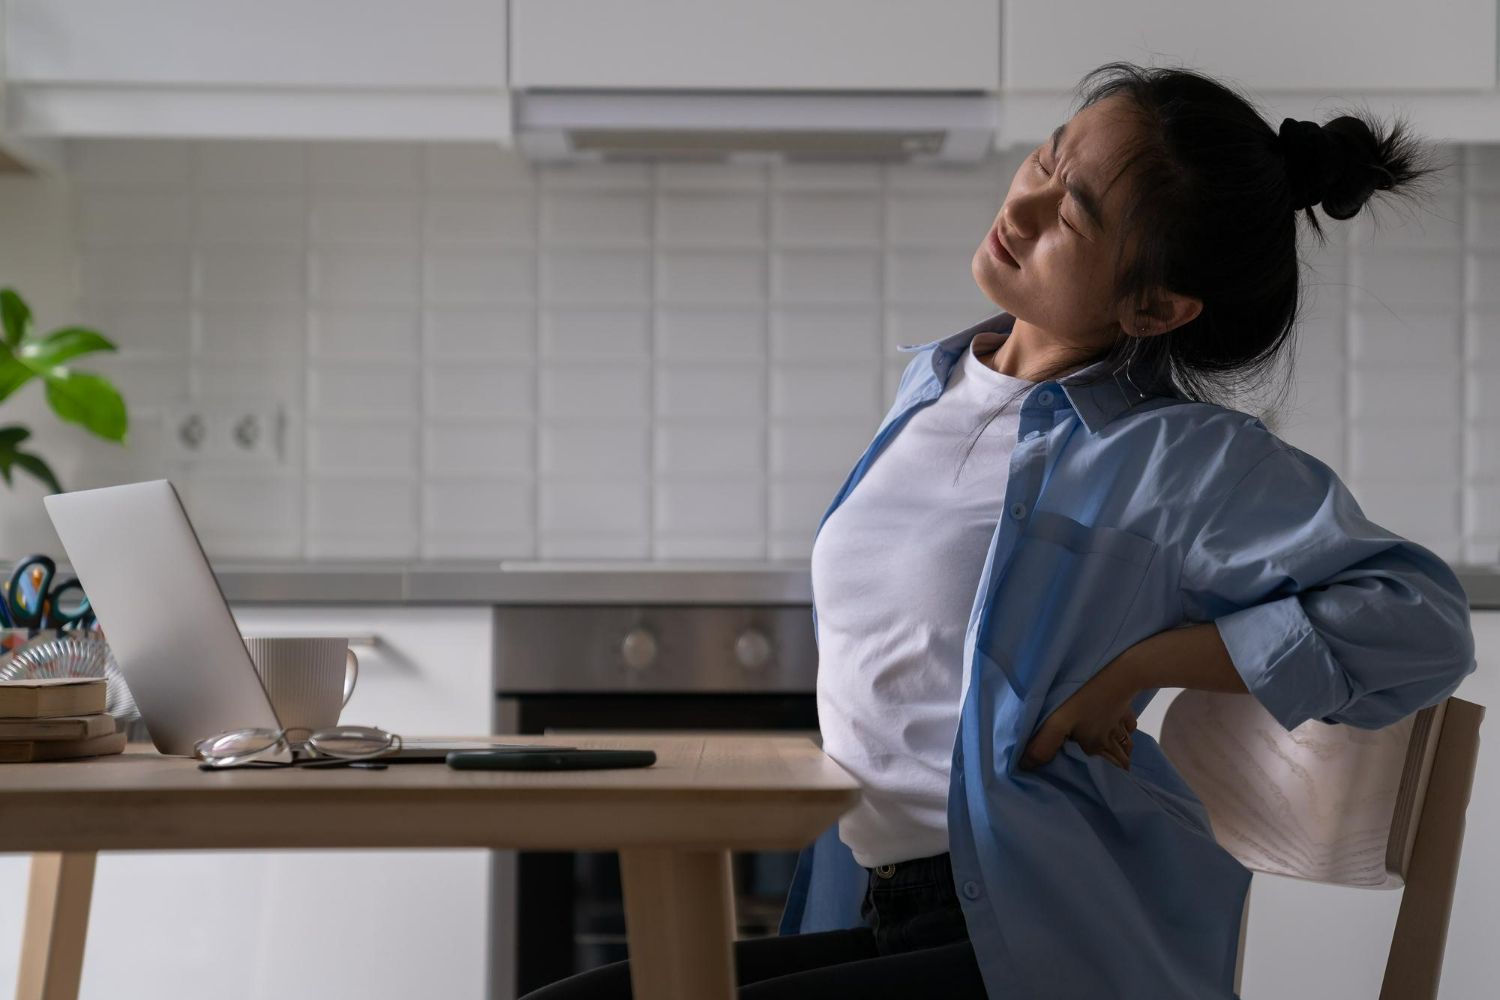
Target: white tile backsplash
x=361, y=447
x=275, y=219
x=480, y=390
x=385, y=277
x=479, y=449
x=251, y=276
x=698, y=276
x=363, y=390
x=492, y=220
x=109, y=217
x=474, y=276
x=482, y=358
x=369, y=220
x=382, y=333
x=710, y=220
x=250, y=166
x=123, y=273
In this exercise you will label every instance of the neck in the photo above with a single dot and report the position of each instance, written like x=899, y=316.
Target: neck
x=1028, y=351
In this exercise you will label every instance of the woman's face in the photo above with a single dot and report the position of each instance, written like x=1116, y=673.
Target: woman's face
x=1063, y=240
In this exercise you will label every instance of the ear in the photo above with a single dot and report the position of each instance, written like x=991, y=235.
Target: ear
x=1168, y=311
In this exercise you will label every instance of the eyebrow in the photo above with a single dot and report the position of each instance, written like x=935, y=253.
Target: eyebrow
x=1082, y=195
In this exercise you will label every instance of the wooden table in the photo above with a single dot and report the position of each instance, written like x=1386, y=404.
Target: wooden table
x=674, y=825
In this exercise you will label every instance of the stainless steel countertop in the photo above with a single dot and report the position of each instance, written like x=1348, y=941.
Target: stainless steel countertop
x=576, y=582
x=521, y=582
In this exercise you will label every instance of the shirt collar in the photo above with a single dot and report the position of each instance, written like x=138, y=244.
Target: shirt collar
x=1097, y=403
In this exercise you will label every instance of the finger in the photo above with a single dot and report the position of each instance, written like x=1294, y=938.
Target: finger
x=1044, y=746
x=1130, y=723
x=1119, y=752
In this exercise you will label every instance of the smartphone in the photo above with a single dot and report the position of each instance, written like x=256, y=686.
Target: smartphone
x=562, y=759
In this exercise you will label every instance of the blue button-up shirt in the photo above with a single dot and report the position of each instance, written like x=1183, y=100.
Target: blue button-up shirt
x=1130, y=510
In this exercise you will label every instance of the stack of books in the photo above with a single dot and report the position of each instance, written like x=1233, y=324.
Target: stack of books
x=56, y=718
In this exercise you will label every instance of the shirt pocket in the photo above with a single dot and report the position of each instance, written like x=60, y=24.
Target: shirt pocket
x=1063, y=600
x=1084, y=539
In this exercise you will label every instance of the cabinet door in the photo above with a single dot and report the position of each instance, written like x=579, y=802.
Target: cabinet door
x=1282, y=45
x=257, y=69
x=422, y=670
x=331, y=43
x=756, y=44
x=308, y=925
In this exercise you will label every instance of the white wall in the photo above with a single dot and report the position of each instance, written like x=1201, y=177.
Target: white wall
x=481, y=359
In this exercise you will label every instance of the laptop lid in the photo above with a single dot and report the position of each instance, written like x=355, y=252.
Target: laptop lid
x=159, y=603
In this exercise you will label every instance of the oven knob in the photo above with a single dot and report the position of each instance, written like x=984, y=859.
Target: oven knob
x=753, y=649
x=638, y=648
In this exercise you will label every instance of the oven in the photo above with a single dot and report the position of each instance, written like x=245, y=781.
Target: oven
x=747, y=669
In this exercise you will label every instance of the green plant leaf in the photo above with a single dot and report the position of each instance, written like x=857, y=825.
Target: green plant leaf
x=13, y=374
x=76, y=397
x=90, y=400
x=15, y=315
x=38, y=468
x=60, y=346
x=11, y=457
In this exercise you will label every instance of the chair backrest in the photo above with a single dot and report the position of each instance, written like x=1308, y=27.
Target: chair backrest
x=1337, y=804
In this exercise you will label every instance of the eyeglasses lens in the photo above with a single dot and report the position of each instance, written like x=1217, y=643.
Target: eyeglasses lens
x=241, y=746
x=352, y=742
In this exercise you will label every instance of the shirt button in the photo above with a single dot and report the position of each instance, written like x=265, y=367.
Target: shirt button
x=1018, y=510
x=972, y=889
x=1044, y=397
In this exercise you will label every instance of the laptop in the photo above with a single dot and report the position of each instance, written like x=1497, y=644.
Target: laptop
x=169, y=626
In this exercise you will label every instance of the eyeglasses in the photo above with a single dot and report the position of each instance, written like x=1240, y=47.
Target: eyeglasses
x=342, y=746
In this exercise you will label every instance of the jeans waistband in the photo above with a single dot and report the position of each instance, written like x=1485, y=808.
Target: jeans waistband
x=917, y=871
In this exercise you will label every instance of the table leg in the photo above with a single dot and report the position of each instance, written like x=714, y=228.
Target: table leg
x=679, y=923
x=57, y=919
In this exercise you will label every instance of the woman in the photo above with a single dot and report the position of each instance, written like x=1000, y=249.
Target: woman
x=990, y=625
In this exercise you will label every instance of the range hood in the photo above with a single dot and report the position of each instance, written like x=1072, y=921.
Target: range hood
x=779, y=126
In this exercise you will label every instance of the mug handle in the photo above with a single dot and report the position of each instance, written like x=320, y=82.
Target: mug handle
x=351, y=676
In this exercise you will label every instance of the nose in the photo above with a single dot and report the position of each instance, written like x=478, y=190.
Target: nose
x=1026, y=212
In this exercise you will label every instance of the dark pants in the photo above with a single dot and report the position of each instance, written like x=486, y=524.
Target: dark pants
x=914, y=944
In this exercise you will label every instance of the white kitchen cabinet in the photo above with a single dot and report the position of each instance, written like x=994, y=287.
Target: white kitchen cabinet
x=280, y=925
x=1350, y=46
x=858, y=45
x=258, y=68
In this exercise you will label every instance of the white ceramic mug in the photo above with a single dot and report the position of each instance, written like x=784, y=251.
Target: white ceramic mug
x=308, y=678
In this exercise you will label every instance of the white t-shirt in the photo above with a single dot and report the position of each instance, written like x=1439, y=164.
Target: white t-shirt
x=894, y=573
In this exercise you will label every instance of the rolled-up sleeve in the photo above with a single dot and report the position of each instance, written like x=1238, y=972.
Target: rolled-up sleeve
x=1325, y=614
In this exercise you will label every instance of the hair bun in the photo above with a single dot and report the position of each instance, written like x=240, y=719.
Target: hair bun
x=1313, y=160
x=1334, y=165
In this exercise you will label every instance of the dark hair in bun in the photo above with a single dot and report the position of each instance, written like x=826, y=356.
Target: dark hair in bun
x=1340, y=164
x=1211, y=206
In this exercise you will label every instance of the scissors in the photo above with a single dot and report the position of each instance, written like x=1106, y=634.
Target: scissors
x=30, y=600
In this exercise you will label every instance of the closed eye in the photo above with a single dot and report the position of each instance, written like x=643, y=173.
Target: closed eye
x=1036, y=157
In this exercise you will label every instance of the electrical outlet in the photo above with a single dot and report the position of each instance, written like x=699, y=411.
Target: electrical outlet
x=226, y=432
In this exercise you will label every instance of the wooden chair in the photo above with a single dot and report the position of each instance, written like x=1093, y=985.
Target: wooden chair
x=1379, y=809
